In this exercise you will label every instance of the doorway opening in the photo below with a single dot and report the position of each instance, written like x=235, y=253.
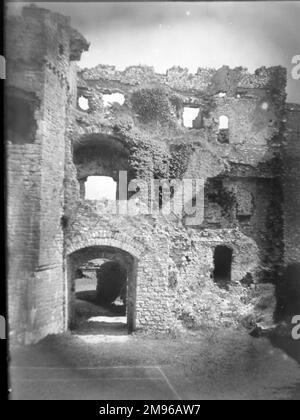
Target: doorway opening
x=222, y=265
x=102, y=291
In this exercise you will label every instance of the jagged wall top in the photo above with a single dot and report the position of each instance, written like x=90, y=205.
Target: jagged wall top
x=35, y=34
x=222, y=80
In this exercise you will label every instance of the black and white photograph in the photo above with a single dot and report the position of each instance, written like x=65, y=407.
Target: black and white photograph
x=152, y=203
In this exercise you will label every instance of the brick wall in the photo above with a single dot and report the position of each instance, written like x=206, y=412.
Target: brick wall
x=38, y=48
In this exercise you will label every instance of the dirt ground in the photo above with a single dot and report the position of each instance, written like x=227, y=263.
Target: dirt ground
x=99, y=360
x=211, y=364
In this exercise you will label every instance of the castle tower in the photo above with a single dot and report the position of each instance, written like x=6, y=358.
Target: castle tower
x=41, y=51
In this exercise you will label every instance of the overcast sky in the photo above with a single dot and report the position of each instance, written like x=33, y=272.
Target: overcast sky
x=248, y=34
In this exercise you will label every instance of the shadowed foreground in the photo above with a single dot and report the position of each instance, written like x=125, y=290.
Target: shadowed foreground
x=214, y=364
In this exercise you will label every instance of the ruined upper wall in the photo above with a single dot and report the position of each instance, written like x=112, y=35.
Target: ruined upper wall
x=39, y=36
x=230, y=81
x=252, y=104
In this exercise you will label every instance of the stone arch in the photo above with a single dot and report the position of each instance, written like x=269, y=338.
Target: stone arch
x=100, y=154
x=110, y=247
x=107, y=239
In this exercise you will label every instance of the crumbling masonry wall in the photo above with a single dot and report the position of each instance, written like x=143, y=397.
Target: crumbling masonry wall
x=291, y=186
x=241, y=177
x=52, y=226
x=39, y=50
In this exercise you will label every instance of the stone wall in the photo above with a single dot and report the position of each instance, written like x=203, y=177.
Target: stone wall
x=39, y=46
x=174, y=281
x=52, y=229
x=175, y=288
x=291, y=186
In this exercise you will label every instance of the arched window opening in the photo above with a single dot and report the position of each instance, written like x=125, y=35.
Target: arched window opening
x=223, y=122
x=189, y=115
x=100, y=188
x=223, y=133
x=222, y=265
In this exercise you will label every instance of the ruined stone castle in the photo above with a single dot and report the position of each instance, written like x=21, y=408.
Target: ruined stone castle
x=243, y=141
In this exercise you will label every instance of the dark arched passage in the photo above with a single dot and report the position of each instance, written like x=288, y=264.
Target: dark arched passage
x=120, y=269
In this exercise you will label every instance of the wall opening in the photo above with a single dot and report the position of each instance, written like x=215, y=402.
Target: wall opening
x=100, y=296
x=223, y=129
x=98, y=159
x=189, y=115
x=83, y=103
x=20, y=121
x=100, y=188
x=109, y=99
x=102, y=288
x=111, y=283
x=222, y=265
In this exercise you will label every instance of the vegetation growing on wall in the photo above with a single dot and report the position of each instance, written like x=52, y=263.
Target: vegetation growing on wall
x=151, y=104
x=179, y=160
x=148, y=157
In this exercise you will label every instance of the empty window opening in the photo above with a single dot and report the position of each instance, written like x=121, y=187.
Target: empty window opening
x=100, y=296
x=109, y=99
x=189, y=115
x=222, y=265
x=21, y=125
x=100, y=188
x=83, y=103
x=244, y=218
x=223, y=122
x=223, y=134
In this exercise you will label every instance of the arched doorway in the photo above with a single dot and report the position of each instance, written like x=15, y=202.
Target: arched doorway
x=104, y=276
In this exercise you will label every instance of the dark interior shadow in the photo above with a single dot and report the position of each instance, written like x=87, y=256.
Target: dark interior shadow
x=87, y=295
x=110, y=309
x=281, y=338
x=288, y=305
